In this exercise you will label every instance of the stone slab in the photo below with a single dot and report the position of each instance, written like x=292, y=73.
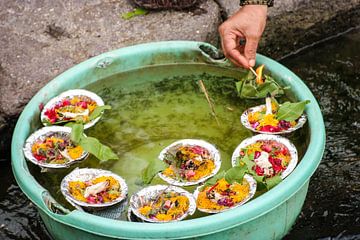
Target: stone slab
x=313, y=21
x=42, y=38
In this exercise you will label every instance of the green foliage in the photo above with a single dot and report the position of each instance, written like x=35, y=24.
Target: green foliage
x=134, y=13
x=90, y=144
x=77, y=132
x=248, y=88
x=154, y=167
x=273, y=181
x=235, y=174
x=96, y=148
x=291, y=111
x=248, y=161
x=98, y=111
x=215, y=178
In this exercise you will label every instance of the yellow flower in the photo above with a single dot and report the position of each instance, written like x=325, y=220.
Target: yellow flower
x=274, y=106
x=76, y=189
x=222, y=185
x=252, y=148
x=163, y=217
x=253, y=117
x=285, y=158
x=268, y=119
x=74, y=100
x=241, y=191
x=169, y=172
x=238, y=192
x=145, y=210
x=75, y=152
x=91, y=107
x=204, y=169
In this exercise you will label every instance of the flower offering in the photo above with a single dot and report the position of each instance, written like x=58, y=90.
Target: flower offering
x=189, y=162
x=161, y=203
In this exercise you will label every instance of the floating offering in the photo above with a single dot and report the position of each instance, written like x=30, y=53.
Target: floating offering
x=89, y=187
x=266, y=156
x=256, y=85
x=272, y=118
x=162, y=203
x=75, y=105
x=51, y=147
x=223, y=195
x=190, y=162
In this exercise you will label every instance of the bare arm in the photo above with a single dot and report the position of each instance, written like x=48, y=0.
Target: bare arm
x=248, y=23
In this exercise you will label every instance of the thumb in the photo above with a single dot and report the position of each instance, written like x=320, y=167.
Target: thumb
x=250, y=50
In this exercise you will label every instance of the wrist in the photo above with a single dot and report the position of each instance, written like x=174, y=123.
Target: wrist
x=259, y=10
x=268, y=3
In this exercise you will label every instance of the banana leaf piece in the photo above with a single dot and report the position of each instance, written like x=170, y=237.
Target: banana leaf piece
x=248, y=88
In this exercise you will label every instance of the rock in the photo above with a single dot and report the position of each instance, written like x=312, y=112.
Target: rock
x=44, y=38
x=313, y=21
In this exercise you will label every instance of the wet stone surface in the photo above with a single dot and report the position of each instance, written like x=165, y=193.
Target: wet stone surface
x=332, y=207
x=331, y=210
x=43, y=38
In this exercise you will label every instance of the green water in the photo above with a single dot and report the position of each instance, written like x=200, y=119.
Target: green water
x=156, y=106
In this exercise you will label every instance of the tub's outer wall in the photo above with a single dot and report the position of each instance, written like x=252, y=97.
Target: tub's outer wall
x=273, y=225
x=273, y=213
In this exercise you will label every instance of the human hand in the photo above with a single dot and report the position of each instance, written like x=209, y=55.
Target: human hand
x=246, y=24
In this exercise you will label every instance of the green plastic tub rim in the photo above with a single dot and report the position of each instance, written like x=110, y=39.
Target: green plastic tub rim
x=184, y=229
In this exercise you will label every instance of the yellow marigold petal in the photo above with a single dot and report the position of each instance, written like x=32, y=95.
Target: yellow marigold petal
x=75, y=152
x=270, y=120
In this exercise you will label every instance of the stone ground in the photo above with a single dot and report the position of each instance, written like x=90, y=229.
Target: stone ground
x=42, y=38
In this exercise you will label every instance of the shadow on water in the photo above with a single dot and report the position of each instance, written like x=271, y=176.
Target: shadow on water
x=331, y=210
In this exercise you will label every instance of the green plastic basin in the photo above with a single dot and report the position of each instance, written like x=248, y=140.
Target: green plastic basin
x=269, y=216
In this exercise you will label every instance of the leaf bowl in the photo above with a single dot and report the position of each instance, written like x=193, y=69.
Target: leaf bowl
x=244, y=119
x=70, y=94
x=264, y=137
x=42, y=134
x=147, y=194
x=214, y=153
x=252, y=189
x=87, y=174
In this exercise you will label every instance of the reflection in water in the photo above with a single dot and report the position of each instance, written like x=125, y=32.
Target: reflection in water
x=331, y=210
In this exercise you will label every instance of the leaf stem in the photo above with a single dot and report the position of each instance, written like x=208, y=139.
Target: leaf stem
x=203, y=88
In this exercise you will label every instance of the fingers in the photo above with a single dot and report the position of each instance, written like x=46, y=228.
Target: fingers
x=250, y=50
x=231, y=48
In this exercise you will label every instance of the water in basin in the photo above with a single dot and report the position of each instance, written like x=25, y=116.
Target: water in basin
x=156, y=106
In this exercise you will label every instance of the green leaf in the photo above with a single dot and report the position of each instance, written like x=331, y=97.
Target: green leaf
x=98, y=111
x=77, y=132
x=259, y=179
x=273, y=181
x=235, y=174
x=248, y=160
x=93, y=146
x=215, y=178
x=136, y=12
x=248, y=88
x=154, y=167
x=239, y=86
x=291, y=111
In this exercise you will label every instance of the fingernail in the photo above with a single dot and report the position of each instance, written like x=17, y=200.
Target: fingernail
x=252, y=62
